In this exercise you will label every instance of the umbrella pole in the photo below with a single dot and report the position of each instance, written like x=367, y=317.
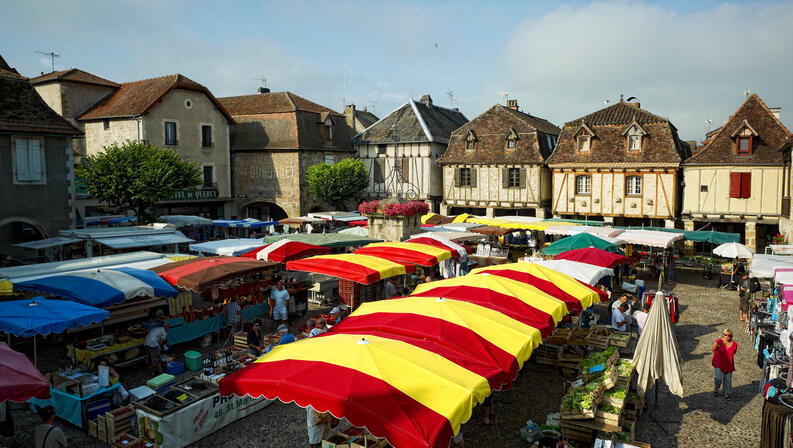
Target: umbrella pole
x=35, y=354
x=651, y=413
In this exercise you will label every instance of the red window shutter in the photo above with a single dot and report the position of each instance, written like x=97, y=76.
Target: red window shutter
x=735, y=185
x=746, y=185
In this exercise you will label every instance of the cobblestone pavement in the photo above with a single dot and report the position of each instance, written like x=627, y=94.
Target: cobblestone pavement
x=697, y=420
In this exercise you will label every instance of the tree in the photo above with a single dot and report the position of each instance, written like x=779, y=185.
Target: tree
x=137, y=176
x=337, y=184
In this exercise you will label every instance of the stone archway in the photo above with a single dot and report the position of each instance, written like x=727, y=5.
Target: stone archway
x=19, y=229
x=263, y=210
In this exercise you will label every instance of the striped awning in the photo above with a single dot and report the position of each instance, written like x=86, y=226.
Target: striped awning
x=359, y=268
x=421, y=254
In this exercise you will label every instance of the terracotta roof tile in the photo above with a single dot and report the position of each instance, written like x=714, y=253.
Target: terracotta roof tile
x=491, y=129
x=771, y=136
x=73, y=75
x=271, y=103
x=23, y=111
x=136, y=98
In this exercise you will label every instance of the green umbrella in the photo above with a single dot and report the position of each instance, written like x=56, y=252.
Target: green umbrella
x=712, y=236
x=580, y=241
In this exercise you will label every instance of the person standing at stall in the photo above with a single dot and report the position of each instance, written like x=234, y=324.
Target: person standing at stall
x=233, y=313
x=255, y=338
x=390, y=288
x=280, y=297
x=46, y=434
x=319, y=426
x=724, y=363
x=155, y=343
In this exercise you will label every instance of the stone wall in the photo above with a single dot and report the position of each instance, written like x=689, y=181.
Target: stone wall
x=268, y=176
x=118, y=131
x=394, y=228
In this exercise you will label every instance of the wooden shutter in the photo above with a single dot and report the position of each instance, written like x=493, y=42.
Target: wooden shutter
x=23, y=165
x=522, y=176
x=504, y=177
x=746, y=185
x=405, y=168
x=473, y=177
x=457, y=177
x=34, y=159
x=735, y=185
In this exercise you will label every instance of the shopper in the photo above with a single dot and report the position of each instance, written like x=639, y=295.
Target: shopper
x=286, y=337
x=390, y=288
x=255, y=338
x=46, y=434
x=319, y=426
x=745, y=297
x=618, y=320
x=335, y=314
x=155, y=343
x=233, y=313
x=640, y=317
x=280, y=297
x=319, y=329
x=724, y=363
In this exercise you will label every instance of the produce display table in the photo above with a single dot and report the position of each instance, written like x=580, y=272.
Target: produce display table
x=71, y=407
x=127, y=353
x=189, y=423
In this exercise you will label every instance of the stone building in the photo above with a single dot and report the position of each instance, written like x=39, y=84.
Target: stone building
x=70, y=93
x=401, y=150
x=621, y=162
x=358, y=120
x=495, y=164
x=276, y=138
x=36, y=165
x=737, y=182
x=170, y=112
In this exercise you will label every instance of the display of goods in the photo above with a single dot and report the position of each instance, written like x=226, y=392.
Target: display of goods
x=624, y=368
x=610, y=377
x=615, y=396
x=620, y=339
x=353, y=431
x=599, y=360
x=579, y=403
x=159, y=404
x=178, y=396
x=132, y=353
x=609, y=414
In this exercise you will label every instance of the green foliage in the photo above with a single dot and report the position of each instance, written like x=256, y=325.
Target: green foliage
x=578, y=399
x=616, y=393
x=137, y=176
x=337, y=184
x=624, y=367
x=609, y=409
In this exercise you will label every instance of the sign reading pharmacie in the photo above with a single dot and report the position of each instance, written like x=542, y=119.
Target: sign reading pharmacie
x=196, y=195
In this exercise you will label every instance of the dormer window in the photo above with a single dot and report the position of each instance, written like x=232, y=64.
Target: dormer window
x=745, y=146
x=470, y=141
x=583, y=138
x=743, y=137
x=511, y=138
x=329, y=128
x=583, y=143
x=633, y=135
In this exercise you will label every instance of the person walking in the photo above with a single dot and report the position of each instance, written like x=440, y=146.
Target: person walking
x=745, y=297
x=280, y=296
x=46, y=434
x=724, y=363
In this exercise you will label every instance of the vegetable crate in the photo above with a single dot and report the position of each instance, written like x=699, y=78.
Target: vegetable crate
x=620, y=339
x=609, y=414
x=112, y=424
x=570, y=432
x=547, y=354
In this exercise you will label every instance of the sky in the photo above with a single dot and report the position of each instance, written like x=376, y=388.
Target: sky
x=690, y=61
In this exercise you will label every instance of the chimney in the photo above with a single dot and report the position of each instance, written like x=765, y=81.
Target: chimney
x=635, y=104
x=456, y=109
x=349, y=115
x=426, y=99
x=512, y=104
x=263, y=90
x=776, y=111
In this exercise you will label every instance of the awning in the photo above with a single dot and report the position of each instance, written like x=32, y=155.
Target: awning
x=357, y=231
x=494, y=230
x=455, y=249
x=200, y=273
x=587, y=273
x=452, y=236
x=650, y=238
x=247, y=223
x=459, y=226
x=20, y=380
x=48, y=242
x=184, y=220
x=763, y=266
x=100, y=287
x=363, y=269
x=130, y=242
x=421, y=254
x=568, y=230
x=359, y=222
x=34, y=271
x=332, y=240
x=580, y=241
x=595, y=256
x=300, y=220
x=712, y=236
x=286, y=250
x=229, y=247
x=30, y=317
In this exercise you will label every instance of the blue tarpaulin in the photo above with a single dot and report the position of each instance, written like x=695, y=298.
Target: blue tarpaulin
x=30, y=317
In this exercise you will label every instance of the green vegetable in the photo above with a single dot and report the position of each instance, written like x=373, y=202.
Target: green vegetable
x=616, y=393
x=578, y=399
x=609, y=408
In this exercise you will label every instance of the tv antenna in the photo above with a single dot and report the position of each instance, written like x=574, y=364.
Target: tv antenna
x=708, y=121
x=451, y=98
x=505, y=95
x=262, y=81
x=52, y=56
x=373, y=105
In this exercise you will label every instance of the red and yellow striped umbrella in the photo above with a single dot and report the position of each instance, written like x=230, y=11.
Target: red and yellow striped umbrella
x=421, y=254
x=364, y=269
x=411, y=396
x=575, y=295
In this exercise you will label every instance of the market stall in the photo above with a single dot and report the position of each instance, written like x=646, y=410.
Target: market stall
x=331, y=240
x=285, y=250
x=232, y=247
x=77, y=397
x=416, y=253
x=19, y=379
x=595, y=256
x=583, y=240
x=586, y=273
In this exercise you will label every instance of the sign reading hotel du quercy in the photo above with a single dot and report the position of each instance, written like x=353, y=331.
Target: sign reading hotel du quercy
x=196, y=195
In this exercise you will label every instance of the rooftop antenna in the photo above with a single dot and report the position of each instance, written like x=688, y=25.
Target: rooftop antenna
x=747, y=92
x=373, y=105
x=262, y=81
x=708, y=121
x=51, y=55
x=451, y=98
x=505, y=95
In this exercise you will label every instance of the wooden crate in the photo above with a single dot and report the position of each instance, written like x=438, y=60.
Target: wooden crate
x=241, y=340
x=608, y=418
x=576, y=433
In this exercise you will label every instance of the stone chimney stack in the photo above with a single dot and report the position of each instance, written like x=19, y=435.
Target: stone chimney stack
x=512, y=104
x=426, y=99
x=777, y=111
x=349, y=115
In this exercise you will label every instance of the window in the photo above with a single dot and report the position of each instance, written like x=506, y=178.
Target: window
x=379, y=170
x=633, y=185
x=403, y=168
x=328, y=129
x=583, y=143
x=106, y=124
x=170, y=133
x=470, y=141
x=465, y=177
x=208, y=176
x=381, y=149
x=514, y=178
x=703, y=188
x=634, y=142
x=469, y=144
x=744, y=146
x=511, y=138
x=28, y=161
x=206, y=136
x=329, y=159
x=740, y=185
x=511, y=143
x=583, y=185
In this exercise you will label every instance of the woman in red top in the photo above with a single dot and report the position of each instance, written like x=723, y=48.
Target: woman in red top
x=724, y=363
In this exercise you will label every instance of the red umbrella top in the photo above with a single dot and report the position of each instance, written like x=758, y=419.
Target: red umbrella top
x=288, y=251
x=20, y=380
x=595, y=256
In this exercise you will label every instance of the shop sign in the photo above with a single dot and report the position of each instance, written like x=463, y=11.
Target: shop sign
x=196, y=195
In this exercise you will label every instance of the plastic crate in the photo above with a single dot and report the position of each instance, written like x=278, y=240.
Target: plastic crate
x=174, y=368
x=96, y=408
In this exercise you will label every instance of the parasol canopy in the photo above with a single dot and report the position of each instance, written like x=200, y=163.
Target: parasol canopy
x=197, y=274
x=100, y=287
x=441, y=241
x=530, y=295
x=231, y=247
x=421, y=254
x=595, y=256
x=410, y=396
x=30, y=317
x=20, y=380
x=585, y=272
x=494, y=230
x=656, y=355
x=576, y=296
x=712, y=236
x=579, y=241
x=358, y=268
x=285, y=250
x=733, y=250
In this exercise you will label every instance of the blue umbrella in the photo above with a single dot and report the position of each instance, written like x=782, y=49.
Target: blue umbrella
x=31, y=317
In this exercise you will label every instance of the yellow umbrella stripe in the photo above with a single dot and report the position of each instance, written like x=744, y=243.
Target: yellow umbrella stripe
x=510, y=335
x=461, y=218
x=386, y=268
x=428, y=378
x=437, y=252
x=429, y=215
x=526, y=293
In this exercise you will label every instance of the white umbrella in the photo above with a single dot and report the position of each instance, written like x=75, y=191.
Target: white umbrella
x=656, y=355
x=733, y=250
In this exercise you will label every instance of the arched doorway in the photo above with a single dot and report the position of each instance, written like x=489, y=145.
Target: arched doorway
x=265, y=211
x=18, y=229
